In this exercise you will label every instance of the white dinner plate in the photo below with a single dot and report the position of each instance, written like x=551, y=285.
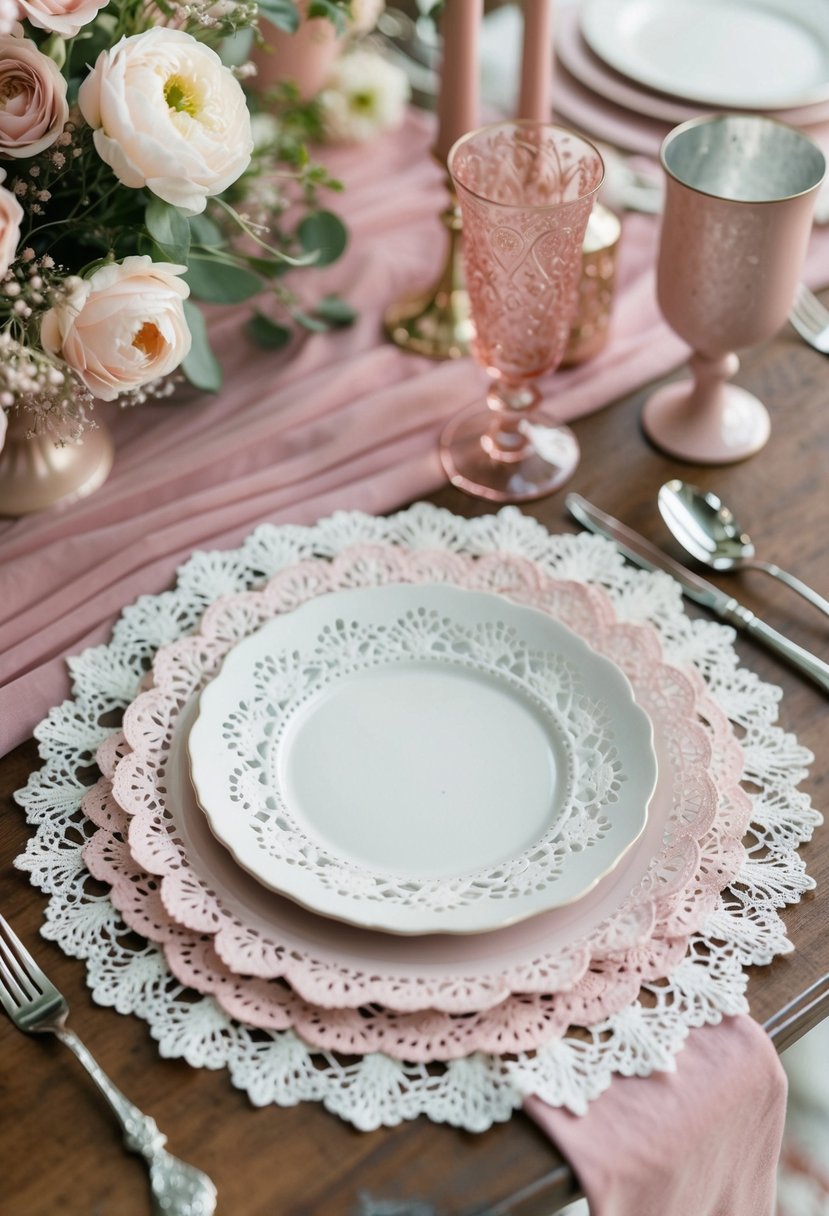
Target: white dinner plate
x=742, y=54
x=592, y=72
x=422, y=759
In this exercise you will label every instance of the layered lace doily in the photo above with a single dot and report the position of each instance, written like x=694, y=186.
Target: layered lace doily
x=742, y=927
x=668, y=893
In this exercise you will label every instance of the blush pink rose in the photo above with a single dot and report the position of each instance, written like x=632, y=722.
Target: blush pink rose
x=11, y=217
x=122, y=327
x=33, y=107
x=168, y=115
x=64, y=17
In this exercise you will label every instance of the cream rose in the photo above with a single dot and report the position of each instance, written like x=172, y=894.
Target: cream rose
x=11, y=217
x=33, y=107
x=121, y=327
x=64, y=17
x=168, y=115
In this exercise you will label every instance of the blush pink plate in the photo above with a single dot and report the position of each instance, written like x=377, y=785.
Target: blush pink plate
x=740, y=194
x=525, y=191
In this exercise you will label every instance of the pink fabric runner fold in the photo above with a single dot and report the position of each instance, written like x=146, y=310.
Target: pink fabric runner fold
x=701, y=1141
x=337, y=421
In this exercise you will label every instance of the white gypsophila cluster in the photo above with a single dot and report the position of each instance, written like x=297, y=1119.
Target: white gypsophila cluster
x=56, y=404
x=364, y=96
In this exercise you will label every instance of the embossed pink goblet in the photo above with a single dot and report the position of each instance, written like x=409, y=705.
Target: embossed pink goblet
x=738, y=211
x=525, y=190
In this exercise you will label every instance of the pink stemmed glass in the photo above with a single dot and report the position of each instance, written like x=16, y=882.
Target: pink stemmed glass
x=525, y=191
x=740, y=192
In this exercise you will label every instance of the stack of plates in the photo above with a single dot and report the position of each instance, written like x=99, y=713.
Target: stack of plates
x=629, y=70
x=399, y=814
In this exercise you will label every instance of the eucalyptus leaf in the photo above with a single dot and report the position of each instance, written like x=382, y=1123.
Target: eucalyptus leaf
x=335, y=311
x=325, y=233
x=218, y=283
x=332, y=11
x=284, y=14
x=204, y=232
x=200, y=366
x=169, y=229
x=315, y=325
x=267, y=333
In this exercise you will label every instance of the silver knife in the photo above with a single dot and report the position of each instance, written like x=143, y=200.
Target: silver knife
x=643, y=553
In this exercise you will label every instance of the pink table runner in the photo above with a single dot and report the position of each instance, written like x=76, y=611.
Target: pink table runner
x=337, y=421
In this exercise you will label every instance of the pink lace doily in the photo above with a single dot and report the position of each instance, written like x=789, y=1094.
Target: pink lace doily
x=700, y=853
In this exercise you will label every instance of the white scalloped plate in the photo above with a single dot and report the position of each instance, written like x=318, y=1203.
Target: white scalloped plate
x=422, y=759
x=742, y=54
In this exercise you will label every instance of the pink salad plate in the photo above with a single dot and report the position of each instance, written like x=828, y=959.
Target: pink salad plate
x=223, y=933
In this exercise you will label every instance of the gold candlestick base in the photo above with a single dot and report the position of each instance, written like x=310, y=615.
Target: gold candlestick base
x=436, y=323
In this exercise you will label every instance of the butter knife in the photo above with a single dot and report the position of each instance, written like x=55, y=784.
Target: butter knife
x=643, y=553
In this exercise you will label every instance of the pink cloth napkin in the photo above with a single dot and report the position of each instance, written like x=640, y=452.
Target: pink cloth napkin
x=337, y=421
x=701, y=1141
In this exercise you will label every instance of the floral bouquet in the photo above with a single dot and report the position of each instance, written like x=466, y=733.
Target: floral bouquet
x=134, y=180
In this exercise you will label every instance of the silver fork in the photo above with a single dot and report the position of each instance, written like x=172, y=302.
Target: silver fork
x=811, y=319
x=34, y=1005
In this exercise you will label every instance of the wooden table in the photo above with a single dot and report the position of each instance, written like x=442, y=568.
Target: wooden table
x=60, y=1148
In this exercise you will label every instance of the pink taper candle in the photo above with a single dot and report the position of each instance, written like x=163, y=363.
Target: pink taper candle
x=535, y=96
x=457, y=108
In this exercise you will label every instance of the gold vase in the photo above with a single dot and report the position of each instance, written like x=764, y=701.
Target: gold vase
x=35, y=473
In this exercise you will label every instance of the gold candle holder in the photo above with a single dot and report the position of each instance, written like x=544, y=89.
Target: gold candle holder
x=436, y=323
x=591, y=326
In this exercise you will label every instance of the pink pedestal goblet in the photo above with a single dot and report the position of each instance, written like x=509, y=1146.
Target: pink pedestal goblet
x=738, y=211
x=525, y=191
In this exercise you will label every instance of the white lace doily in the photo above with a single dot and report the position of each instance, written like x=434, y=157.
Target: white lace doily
x=745, y=927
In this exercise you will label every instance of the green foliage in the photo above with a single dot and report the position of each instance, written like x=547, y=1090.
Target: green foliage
x=268, y=334
x=284, y=14
x=336, y=311
x=217, y=282
x=335, y=11
x=169, y=229
x=200, y=366
x=323, y=233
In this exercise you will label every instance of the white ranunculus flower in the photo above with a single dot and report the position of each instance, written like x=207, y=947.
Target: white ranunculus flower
x=168, y=115
x=122, y=327
x=365, y=95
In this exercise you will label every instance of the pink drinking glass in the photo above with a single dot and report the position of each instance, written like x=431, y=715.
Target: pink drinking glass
x=525, y=191
x=740, y=193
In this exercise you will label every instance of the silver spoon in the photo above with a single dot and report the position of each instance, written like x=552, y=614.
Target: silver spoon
x=706, y=529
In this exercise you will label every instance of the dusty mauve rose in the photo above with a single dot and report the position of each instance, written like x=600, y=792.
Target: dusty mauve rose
x=11, y=217
x=121, y=327
x=33, y=108
x=64, y=17
x=168, y=115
